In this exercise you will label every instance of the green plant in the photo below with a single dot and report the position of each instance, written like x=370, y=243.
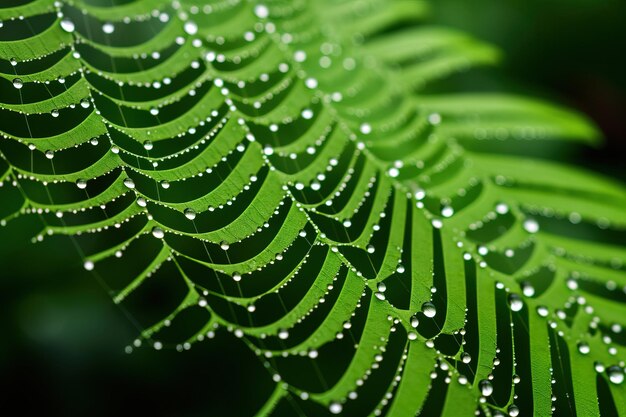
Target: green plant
x=281, y=170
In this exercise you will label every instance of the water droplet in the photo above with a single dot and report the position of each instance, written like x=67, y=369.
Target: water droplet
x=311, y=83
x=261, y=11
x=224, y=245
x=129, y=183
x=84, y=103
x=502, y=208
x=283, y=334
x=88, y=265
x=583, y=348
x=108, y=28
x=466, y=357
x=165, y=185
x=190, y=213
x=18, y=83
x=49, y=154
x=412, y=335
x=434, y=118
x=191, y=28
x=13, y=61
x=147, y=145
x=513, y=410
x=527, y=289
x=236, y=276
x=531, y=226
x=599, y=367
x=335, y=407
x=158, y=232
x=365, y=128
x=429, y=309
x=515, y=302
x=486, y=389
x=447, y=211
x=141, y=202
x=55, y=113
x=414, y=322
x=382, y=287
x=380, y=296
x=67, y=25
x=616, y=374
x=82, y=184
x=542, y=311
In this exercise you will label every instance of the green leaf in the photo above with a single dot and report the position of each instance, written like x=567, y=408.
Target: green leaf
x=280, y=168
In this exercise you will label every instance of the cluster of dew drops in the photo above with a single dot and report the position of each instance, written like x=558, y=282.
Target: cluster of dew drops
x=615, y=373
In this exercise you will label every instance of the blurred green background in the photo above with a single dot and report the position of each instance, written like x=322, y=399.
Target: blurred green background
x=62, y=339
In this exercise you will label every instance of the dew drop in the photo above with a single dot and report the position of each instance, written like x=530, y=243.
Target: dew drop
x=18, y=83
x=88, y=265
x=236, y=276
x=108, y=28
x=165, y=184
x=414, y=322
x=129, y=183
x=261, y=11
x=583, y=348
x=515, y=302
x=84, y=103
x=190, y=213
x=527, y=289
x=67, y=25
x=365, y=128
x=382, y=287
x=55, y=113
x=486, y=389
x=513, y=410
x=147, y=145
x=502, y=208
x=49, y=154
x=335, y=407
x=542, y=311
x=191, y=28
x=283, y=334
x=531, y=226
x=380, y=296
x=466, y=357
x=158, y=232
x=412, y=335
x=447, y=211
x=82, y=184
x=224, y=245
x=616, y=374
x=599, y=367
x=434, y=118
x=429, y=309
